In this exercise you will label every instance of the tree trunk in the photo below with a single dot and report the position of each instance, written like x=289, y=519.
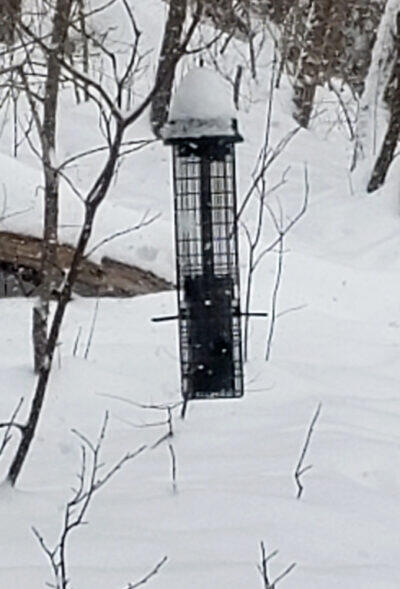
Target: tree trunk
x=392, y=136
x=312, y=61
x=48, y=141
x=170, y=54
x=379, y=76
x=9, y=14
x=94, y=199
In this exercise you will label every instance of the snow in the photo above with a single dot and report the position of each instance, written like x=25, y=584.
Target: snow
x=202, y=94
x=202, y=106
x=336, y=342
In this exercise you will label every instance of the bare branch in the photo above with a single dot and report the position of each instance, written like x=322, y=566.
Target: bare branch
x=173, y=467
x=261, y=175
x=300, y=469
x=274, y=299
x=149, y=576
x=261, y=172
x=9, y=425
x=137, y=144
x=129, y=68
x=92, y=328
x=143, y=223
x=263, y=568
x=159, y=407
x=89, y=482
x=296, y=219
x=284, y=574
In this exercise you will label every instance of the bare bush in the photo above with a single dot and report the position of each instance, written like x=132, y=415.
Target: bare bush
x=91, y=479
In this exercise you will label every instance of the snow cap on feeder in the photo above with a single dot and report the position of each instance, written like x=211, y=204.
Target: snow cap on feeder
x=202, y=110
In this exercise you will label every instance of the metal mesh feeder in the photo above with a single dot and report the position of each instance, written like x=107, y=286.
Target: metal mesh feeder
x=202, y=131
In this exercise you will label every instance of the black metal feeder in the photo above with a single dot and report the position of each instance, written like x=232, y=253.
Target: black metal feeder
x=203, y=138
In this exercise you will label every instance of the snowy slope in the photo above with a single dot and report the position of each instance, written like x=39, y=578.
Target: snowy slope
x=337, y=342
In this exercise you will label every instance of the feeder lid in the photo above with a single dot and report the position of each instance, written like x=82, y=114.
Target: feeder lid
x=201, y=108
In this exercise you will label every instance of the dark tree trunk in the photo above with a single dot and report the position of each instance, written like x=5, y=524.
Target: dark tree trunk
x=9, y=14
x=94, y=199
x=392, y=136
x=312, y=61
x=171, y=51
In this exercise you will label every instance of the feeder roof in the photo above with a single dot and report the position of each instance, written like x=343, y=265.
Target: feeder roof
x=201, y=107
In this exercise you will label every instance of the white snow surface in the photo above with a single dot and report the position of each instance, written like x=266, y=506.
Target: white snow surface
x=202, y=94
x=337, y=342
x=202, y=106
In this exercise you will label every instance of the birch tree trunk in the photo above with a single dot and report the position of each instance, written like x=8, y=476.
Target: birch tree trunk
x=47, y=131
x=392, y=135
x=379, y=75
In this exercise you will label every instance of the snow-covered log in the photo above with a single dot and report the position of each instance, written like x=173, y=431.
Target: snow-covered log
x=20, y=259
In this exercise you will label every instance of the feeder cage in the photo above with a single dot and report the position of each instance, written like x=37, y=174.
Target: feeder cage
x=206, y=251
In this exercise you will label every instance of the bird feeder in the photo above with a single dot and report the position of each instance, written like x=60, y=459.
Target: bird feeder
x=202, y=131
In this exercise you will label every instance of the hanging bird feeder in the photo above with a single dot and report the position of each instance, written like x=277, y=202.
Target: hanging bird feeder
x=202, y=130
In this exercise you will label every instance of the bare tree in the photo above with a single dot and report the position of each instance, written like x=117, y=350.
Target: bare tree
x=46, y=129
x=259, y=186
x=259, y=189
x=40, y=76
x=47, y=64
x=115, y=125
x=257, y=252
x=91, y=479
x=281, y=230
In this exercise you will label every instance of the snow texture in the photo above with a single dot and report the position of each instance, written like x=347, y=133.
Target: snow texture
x=201, y=107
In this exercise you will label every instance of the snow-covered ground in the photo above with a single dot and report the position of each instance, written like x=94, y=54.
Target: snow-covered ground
x=337, y=343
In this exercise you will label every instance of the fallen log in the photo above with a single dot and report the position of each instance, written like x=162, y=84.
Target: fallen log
x=20, y=262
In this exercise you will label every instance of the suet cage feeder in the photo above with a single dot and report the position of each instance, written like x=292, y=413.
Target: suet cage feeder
x=206, y=250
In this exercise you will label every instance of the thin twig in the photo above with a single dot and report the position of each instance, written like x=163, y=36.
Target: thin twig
x=173, y=467
x=89, y=482
x=92, y=328
x=149, y=575
x=144, y=222
x=300, y=469
x=76, y=342
x=263, y=568
x=274, y=300
x=284, y=574
x=294, y=221
x=10, y=424
x=160, y=406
